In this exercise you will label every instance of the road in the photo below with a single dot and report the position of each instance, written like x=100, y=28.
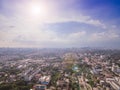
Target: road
x=86, y=86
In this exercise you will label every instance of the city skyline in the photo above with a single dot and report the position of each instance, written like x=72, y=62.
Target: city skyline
x=62, y=24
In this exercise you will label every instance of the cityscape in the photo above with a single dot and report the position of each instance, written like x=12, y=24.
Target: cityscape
x=59, y=44
x=59, y=69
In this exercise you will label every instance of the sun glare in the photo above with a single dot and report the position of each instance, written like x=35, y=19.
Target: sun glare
x=37, y=10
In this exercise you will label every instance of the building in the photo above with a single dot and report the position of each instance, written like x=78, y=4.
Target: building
x=39, y=87
x=44, y=80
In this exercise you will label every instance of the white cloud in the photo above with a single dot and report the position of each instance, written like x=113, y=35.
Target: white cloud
x=77, y=35
x=75, y=18
x=104, y=36
x=26, y=32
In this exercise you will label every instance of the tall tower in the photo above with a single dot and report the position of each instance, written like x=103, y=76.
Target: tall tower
x=114, y=68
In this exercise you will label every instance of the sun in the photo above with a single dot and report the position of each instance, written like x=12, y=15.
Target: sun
x=36, y=9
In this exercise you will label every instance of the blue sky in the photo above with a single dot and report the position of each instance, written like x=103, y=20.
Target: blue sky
x=60, y=23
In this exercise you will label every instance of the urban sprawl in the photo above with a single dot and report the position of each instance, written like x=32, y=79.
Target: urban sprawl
x=59, y=69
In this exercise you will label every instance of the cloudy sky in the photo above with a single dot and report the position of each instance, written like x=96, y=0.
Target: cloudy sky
x=60, y=23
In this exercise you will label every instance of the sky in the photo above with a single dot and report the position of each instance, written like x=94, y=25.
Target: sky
x=60, y=23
